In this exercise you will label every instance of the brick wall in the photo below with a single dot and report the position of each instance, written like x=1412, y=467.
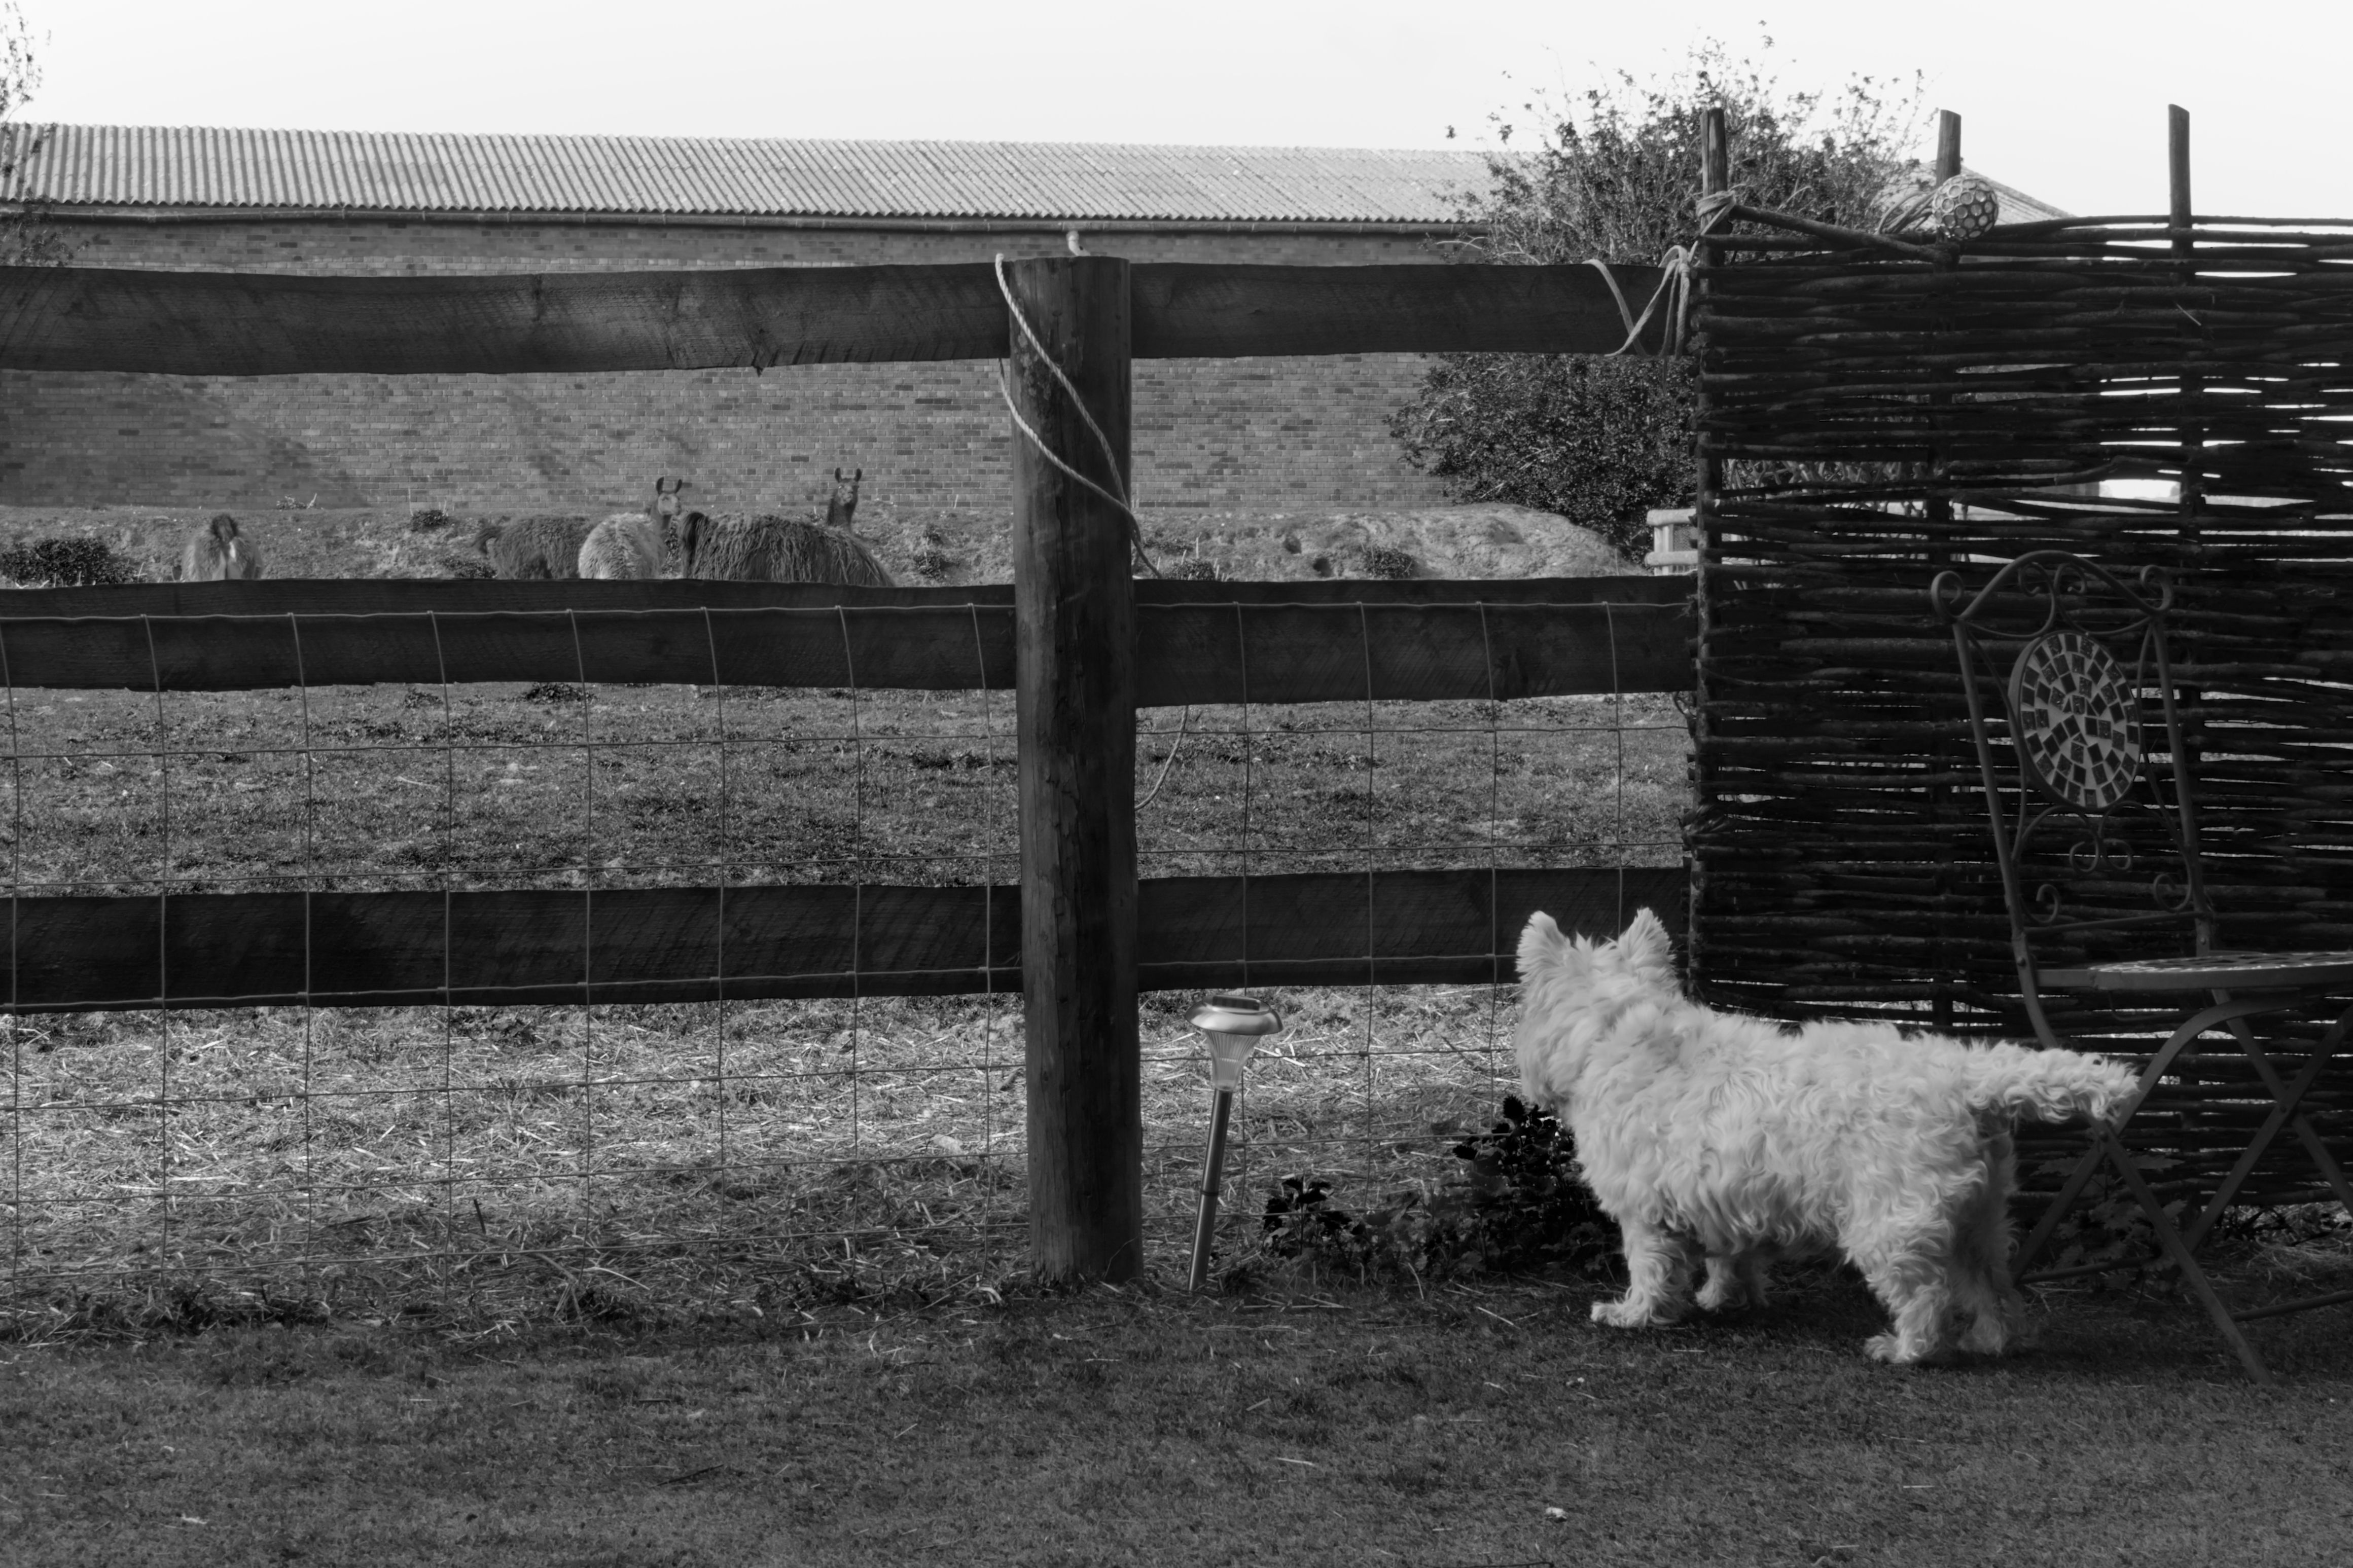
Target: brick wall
x=1285, y=433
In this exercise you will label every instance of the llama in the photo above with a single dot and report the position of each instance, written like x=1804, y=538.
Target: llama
x=633, y=544
x=838, y=512
x=534, y=547
x=770, y=548
x=215, y=554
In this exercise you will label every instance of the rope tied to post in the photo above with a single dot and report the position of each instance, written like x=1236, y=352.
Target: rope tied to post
x=1674, y=280
x=1111, y=466
x=1119, y=500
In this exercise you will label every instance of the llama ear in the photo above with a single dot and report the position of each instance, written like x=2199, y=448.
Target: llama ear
x=1646, y=949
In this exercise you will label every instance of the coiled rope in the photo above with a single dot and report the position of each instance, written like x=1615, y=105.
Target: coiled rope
x=1119, y=500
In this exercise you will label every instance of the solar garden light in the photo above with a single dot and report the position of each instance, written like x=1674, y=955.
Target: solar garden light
x=1233, y=1024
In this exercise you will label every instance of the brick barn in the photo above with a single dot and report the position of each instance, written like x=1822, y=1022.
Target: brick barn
x=1289, y=434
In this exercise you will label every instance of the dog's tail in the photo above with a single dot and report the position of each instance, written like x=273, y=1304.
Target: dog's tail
x=2048, y=1085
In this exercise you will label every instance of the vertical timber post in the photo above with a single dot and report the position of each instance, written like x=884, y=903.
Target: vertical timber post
x=2182, y=220
x=1714, y=179
x=1940, y=533
x=2185, y=246
x=1074, y=704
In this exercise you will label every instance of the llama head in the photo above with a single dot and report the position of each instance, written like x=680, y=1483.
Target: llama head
x=841, y=510
x=665, y=502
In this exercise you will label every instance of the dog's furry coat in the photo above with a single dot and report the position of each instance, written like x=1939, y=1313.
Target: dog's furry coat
x=1717, y=1135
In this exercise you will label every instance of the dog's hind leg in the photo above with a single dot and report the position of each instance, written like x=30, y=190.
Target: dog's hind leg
x=1981, y=1246
x=1917, y=1289
x=1735, y=1279
x=1658, y=1273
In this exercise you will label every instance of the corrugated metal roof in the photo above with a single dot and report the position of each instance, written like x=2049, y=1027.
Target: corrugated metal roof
x=204, y=166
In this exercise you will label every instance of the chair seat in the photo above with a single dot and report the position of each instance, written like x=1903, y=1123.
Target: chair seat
x=2214, y=971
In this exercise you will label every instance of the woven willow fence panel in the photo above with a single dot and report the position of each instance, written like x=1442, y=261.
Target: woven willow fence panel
x=1880, y=417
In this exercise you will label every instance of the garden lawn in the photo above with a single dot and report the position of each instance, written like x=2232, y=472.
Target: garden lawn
x=1144, y=1426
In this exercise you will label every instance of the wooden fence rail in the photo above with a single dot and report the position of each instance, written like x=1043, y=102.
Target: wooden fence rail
x=689, y=943
x=228, y=323
x=1203, y=642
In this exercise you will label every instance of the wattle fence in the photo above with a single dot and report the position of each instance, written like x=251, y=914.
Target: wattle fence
x=1873, y=415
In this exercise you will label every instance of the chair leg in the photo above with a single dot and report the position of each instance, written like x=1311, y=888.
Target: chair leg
x=2039, y=1237
x=2283, y=1110
x=2330, y=1171
x=2171, y=1239
x=2158, y=1066
x=2285, y=1098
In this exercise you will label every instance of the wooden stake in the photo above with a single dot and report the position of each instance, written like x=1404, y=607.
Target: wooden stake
x=1714, y=155
x=2193, y=435
x=1948, y=144
x=2177, y=124
x=1075, y=640
x=1714, y=178
x=1941, y=800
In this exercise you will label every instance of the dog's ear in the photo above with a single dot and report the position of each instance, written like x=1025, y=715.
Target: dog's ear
x=1646, y=950
x=1544, y=951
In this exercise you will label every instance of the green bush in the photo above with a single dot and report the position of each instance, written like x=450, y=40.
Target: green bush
x=1600, y=441
x=67, y=563
x=1615, y=177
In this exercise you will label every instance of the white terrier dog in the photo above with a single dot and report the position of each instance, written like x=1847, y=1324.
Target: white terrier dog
x=1715, y=1134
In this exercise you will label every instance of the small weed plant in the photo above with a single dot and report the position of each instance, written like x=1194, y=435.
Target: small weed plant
x=1515, y=1204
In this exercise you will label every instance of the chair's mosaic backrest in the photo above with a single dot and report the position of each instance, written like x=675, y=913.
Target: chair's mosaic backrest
x=2075, y=719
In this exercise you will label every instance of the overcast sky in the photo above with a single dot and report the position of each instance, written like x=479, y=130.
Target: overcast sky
x=2064, y=99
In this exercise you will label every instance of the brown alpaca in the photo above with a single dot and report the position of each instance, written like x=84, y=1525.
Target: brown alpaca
x=770, y=548
x=533, y=546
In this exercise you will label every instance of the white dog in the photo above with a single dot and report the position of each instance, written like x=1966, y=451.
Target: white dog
x=1715, y=1134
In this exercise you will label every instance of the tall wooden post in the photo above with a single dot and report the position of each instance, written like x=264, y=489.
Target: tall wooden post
x=2180, y=219
x=1714, y=179
x=1074, y=620
x=1940, y=533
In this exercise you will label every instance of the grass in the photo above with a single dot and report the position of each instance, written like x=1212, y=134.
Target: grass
x=485, y=1166
x=1338, y=1425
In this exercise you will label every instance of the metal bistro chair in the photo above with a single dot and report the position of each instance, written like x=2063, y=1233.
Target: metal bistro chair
x=2097, y=843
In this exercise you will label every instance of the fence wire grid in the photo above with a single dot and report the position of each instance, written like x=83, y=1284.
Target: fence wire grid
x=469, y=1159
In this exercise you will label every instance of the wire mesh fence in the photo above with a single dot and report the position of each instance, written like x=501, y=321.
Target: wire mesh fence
x=796, y=1114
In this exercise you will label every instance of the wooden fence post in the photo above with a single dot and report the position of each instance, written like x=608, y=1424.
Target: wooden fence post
x=1951, y=757
x=2182, y=220
x=1074, y=633
x=1714, y=179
